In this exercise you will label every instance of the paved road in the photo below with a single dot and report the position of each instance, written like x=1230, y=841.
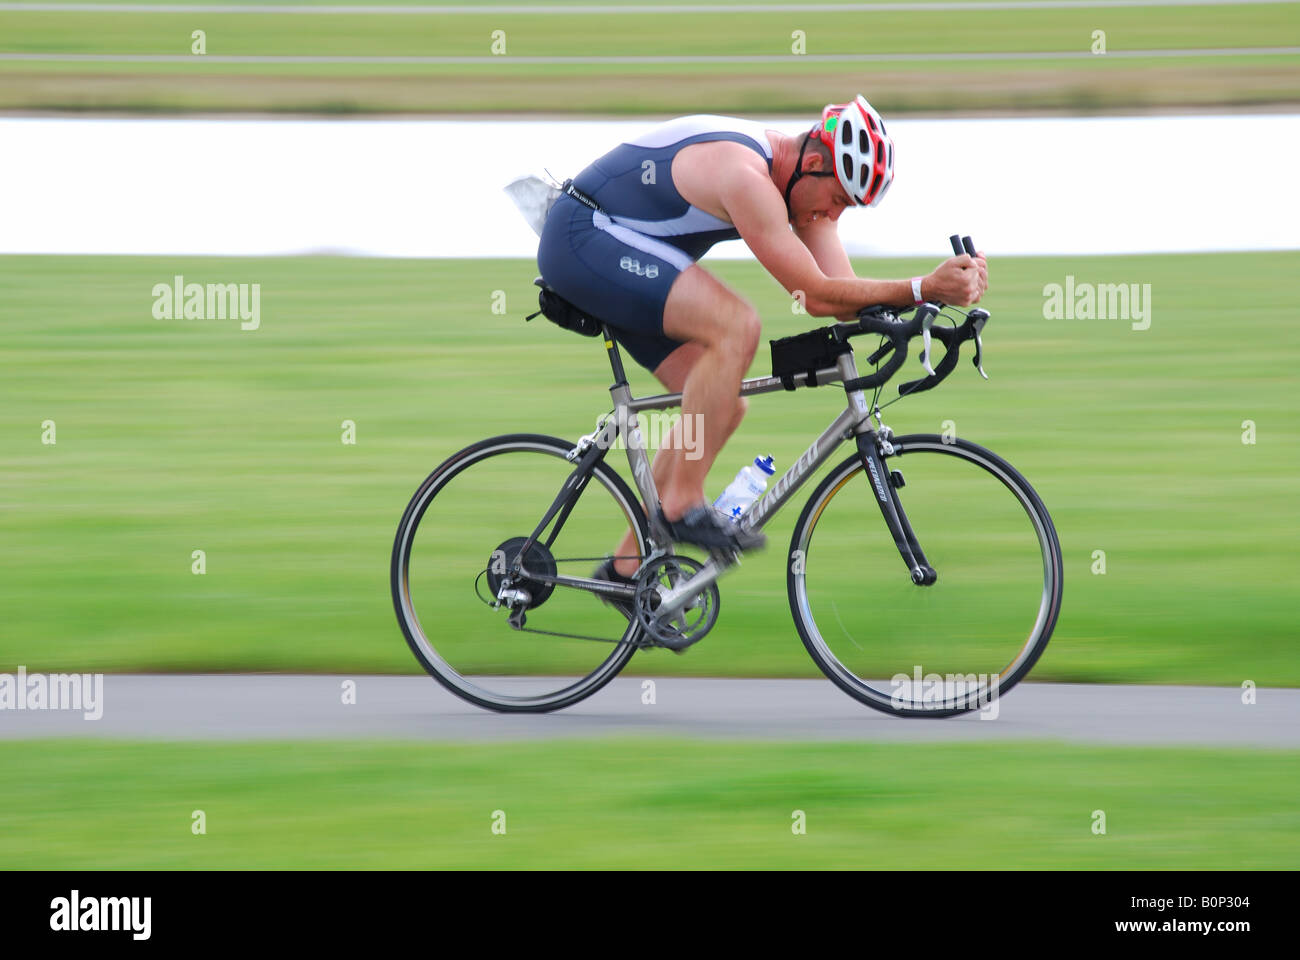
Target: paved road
x=294, y=707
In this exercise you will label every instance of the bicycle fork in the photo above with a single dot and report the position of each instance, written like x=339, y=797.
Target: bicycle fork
x=885, y=484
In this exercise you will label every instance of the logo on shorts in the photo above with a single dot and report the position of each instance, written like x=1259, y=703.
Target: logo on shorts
x=650, y=270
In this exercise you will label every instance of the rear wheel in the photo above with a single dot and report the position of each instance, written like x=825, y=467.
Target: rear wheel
x=460, y=535
x=940, y=649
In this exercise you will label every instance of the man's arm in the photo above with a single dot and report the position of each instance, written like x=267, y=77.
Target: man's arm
x=756, y=208
x=823, y=241
x=758, y=212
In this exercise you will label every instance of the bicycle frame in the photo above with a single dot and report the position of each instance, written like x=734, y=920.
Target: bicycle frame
x=854, y=421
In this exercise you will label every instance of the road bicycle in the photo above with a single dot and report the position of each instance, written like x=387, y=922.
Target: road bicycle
x=937, y=611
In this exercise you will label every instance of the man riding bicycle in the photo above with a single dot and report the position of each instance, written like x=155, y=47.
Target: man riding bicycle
x=622, y=241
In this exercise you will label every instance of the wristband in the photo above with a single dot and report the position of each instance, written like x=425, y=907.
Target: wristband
x=916, y=291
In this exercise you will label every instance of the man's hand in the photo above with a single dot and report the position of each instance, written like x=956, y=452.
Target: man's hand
x=959, y=281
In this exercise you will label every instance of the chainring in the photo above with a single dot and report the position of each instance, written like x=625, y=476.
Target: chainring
x=692, y=622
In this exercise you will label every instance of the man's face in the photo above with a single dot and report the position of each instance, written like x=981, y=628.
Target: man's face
x=814, y=199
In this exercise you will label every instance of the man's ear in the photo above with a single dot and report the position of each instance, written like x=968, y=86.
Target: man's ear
x=814, y=163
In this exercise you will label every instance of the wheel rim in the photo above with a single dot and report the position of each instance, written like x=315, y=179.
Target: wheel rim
x=465, y=511
x=907, y=649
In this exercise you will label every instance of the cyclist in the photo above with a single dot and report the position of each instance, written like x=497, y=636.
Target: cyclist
x=622, y=241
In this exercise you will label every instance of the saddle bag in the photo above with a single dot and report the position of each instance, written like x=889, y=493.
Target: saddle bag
x=805, y=353
x=562, y=313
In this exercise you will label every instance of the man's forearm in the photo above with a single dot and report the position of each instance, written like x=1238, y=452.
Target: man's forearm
x=843, y=297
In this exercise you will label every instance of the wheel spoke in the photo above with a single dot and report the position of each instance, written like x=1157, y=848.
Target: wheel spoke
x=522, y=640
x=939, y=648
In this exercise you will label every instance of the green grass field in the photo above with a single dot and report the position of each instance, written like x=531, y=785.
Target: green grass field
x=1091, y=83
x=643, y=804
x=181, y=435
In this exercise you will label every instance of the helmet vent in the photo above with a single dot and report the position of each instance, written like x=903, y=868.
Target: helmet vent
x=862, y=147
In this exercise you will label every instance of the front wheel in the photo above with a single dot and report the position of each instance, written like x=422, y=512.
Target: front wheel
x=926, y=650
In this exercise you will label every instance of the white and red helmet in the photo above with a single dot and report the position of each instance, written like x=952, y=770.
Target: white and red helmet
x=862, y=151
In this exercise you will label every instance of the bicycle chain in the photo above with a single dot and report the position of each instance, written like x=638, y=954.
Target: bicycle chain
x=571, y=636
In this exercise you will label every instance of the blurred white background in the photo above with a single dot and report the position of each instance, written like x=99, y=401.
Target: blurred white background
x=418, y=188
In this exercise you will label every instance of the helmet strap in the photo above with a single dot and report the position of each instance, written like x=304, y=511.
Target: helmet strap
x=798, y=172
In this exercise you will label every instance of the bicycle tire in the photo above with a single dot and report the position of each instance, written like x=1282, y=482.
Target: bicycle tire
x=1044, y=624
x=417, y=638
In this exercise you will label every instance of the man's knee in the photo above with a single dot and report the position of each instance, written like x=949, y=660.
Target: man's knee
x=745, y=329
x=742, y=407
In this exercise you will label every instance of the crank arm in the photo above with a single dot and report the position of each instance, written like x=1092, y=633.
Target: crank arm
x=676, y=599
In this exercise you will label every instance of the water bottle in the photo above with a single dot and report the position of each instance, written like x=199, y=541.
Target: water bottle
x=748, y=486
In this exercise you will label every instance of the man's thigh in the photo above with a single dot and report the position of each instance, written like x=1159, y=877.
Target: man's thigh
x=700, y=310
x=703, y=310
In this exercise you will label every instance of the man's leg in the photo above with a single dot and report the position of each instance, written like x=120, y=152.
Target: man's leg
x=721, y=333
x=703, y=312
x=672, y=373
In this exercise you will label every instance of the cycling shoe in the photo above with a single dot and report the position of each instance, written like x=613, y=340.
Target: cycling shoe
x=705, y=527
x=606, y=571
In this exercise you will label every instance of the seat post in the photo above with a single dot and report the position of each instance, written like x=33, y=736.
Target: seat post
x=615, y=360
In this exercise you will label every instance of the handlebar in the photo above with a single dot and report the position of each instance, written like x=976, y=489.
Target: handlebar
x=961, y=245
x=885, y=322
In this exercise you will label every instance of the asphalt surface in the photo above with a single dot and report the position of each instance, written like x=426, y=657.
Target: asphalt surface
x=240, y=707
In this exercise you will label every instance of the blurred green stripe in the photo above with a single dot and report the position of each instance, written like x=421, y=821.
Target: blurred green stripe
x=646, y=803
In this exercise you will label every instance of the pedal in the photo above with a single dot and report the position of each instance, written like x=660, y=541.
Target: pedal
x=725, y=558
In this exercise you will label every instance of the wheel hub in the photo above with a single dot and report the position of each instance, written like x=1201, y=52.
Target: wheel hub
x=502, y=570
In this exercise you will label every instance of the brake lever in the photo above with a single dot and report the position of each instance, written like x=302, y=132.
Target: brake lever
x=978, y=319
x=926, y=323
x=942, y=369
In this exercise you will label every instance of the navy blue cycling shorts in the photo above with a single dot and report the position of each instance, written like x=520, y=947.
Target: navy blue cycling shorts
x=614, y=274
